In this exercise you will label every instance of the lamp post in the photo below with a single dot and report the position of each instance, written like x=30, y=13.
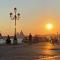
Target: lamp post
x=15, y=17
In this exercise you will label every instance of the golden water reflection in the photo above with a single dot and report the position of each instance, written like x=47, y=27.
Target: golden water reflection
x=47, y=51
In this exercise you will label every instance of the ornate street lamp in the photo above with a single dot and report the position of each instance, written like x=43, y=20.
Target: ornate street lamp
x=15, y=17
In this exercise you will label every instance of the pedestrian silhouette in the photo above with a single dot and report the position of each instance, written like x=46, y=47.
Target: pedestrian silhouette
x=30, y=38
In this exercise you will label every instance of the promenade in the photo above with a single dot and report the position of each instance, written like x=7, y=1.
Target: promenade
x=40, y=51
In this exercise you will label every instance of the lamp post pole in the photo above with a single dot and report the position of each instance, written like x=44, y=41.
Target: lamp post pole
x=15, y=17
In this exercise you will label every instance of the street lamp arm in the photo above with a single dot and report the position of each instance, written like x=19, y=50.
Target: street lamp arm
x=11, y=14
x=18, y=16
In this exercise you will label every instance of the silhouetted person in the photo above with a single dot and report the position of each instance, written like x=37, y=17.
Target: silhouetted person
x=30, y=38
x=8, y=41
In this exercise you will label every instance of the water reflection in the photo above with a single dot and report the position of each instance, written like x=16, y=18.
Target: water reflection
x=48, y=53
x=49, y=46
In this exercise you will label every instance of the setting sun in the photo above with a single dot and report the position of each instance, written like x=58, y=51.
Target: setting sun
x=49, y=26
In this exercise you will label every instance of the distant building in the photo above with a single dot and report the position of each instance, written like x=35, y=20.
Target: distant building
x=22, y=34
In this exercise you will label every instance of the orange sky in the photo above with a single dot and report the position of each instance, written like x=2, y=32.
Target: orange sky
x=34, y=16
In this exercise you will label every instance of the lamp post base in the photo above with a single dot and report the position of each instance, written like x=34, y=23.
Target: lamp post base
x=15, y=40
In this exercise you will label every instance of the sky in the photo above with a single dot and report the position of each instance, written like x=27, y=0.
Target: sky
x=35, y=14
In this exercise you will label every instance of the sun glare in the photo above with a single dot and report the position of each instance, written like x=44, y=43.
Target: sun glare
x=49, y=26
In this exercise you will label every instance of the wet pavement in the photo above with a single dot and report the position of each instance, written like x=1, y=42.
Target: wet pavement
x=40, y=51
